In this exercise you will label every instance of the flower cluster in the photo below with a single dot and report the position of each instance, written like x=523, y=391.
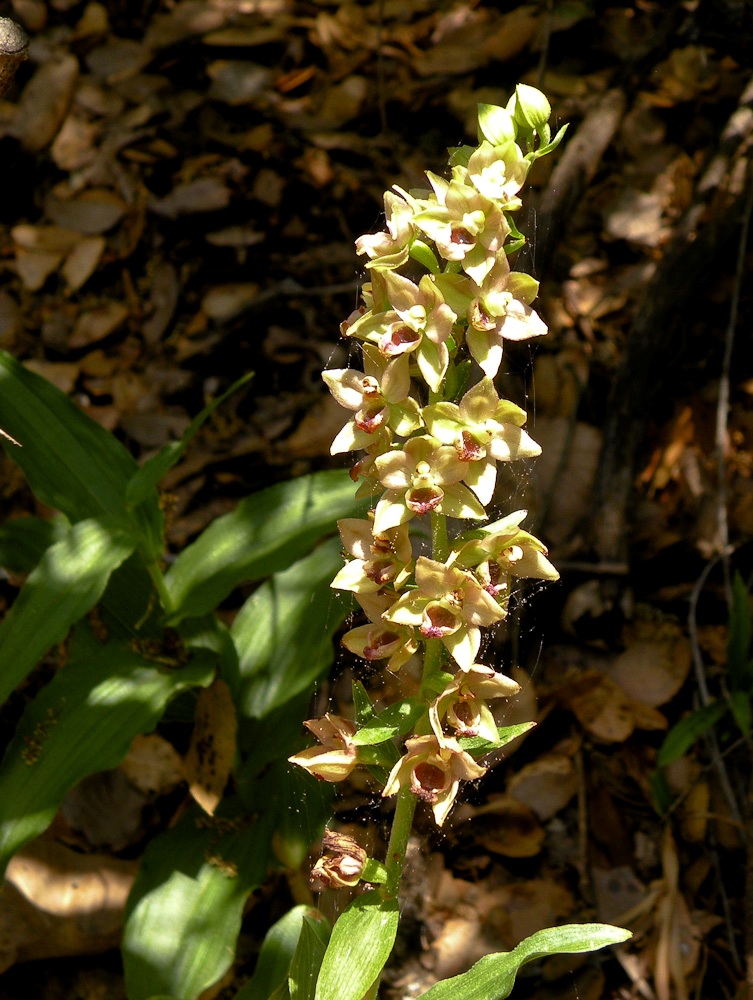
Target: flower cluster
x=441, y=301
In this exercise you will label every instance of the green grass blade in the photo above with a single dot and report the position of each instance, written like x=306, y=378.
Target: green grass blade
x=152, y=471
x=67, y=582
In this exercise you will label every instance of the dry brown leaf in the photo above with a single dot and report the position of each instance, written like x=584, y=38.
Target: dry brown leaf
x=58, y=902
x=82, y=261
x=153, y=765
x=546, y=785
x=653, y=672
x=207, y=194
x=96, y=324
x=105, y=811
x=92, y=213
x=236, y=81
x=44, y=102
x=606, y=711
x=209, y=760
x=504, y=826
x=225, y=302
x=523, y=908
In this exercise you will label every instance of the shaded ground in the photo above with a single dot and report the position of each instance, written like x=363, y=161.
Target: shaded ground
x=181, y=188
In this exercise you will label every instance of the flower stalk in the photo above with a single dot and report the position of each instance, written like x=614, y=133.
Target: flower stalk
x=431, y=428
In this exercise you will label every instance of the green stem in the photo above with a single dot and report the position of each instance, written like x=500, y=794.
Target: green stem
x=166, y=601
x=402, y=822
x=440, y=543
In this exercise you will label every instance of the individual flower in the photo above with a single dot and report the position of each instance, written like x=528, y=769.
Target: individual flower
x=462, y=704
x=421, y=477
x=408, y=319
x=343, y=867
x=448, y=604
x=378, y=396
x=378, y=560
x=335, y=758
x=390, y=249
x=433, y=769
x=381, y=640
x=498, y=173
x=484, y=430
x=465, y=226
x=505, y=544
x=500, y=311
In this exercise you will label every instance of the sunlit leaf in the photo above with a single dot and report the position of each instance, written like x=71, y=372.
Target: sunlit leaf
x=264, y=534
x=493, y=977
x=361, y=942
x=82, y=722
x=66, y=583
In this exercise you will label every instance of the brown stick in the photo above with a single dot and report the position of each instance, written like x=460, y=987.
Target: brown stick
x=14, y=45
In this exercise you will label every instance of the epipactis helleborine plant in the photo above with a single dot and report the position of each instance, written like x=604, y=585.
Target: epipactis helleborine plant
x=441, y=301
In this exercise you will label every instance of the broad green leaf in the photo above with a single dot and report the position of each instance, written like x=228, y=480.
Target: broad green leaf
x=283, y=633
x=361, y=942
x=83, y=721
x=67, y=582
x=263, y=535
x=307, y=961
x=144, y=481
x=683, y=735
x=493, y=977
x=394, y=721
x=24, y=540
x=506, y=734
x=276, y=955
x=72, y=464
x=185, y=908
x=739, y=636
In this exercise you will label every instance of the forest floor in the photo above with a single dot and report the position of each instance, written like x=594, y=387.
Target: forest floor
x=181, y=187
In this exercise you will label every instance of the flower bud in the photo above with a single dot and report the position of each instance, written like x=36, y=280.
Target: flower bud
x=531, y=109
x=344, y=868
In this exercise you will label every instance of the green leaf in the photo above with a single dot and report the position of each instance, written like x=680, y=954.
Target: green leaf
x=362, y=703
x=67, y=582
x=24, y=540
x=277, y=951
x=83, y=721
x=493, y=977
x=283, y=633
x=394, y=721
x=145, y=480
x=374, y=871
x=72, y=464
x=739, y=636
x=185, y=909
x=422, y=253
x=264, y=534
x=739, y=703
x=361, y=942
x=307, y=961
x=506, y=734
x=684, y=734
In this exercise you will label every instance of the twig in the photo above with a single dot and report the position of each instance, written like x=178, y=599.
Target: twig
x=14, y=46
x=722, y=406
